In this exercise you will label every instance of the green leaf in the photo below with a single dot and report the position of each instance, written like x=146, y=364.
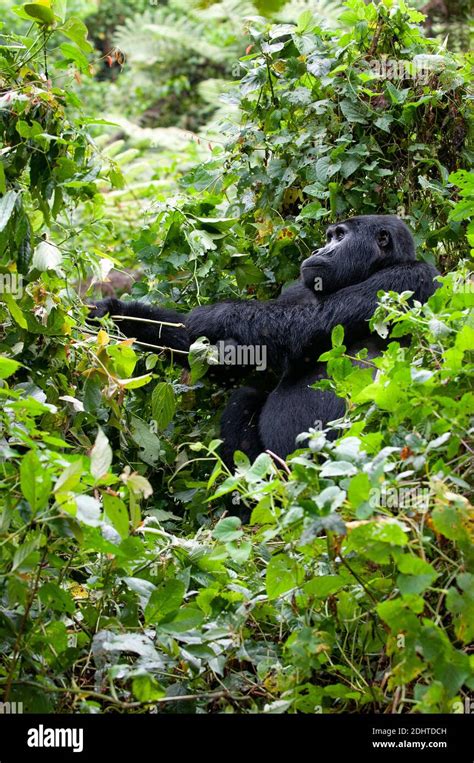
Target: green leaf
x=165, y=599
x=74, y=54
x=146, y=688
x=453, y=522
x=77, y=31
x=323, y=586
x=465, y=338
x=337, y=336
x=338, y=469
x=383, y=123
x=56, y=598
x=359, y=489
x=461, y=605
x=35, y=481
x=417, y=575
x=353, y=112
x=389, y=532
x=8, y=366
x=450, y=666
x=340, y=691
x=117, y=513
x=146, y=440
x=136, y=382
x=27, y=130
x=283, y=574
x=262, y=465
x=312, y=211
x=125, y=359
x=386, y=394
x=248, y=274
x=305, y=21
x=228, y=529
x=40, y=13
x=395, y=95
x=24, y=552
x=325, y=168
x=70, y=477
x=187, y=619
x=59, y=8
x=239, y=551
x=15, y=311
x=201, y=353
x=163, y=404
x=143, y=588
x=349, y=166
x=7, y=205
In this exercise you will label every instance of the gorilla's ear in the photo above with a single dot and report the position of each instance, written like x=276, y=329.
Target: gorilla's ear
x=383, y=238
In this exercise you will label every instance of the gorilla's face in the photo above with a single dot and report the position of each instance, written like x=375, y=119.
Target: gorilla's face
x=354, y=250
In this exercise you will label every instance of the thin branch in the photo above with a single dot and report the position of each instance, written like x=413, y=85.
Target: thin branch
x=115, y=701
x=147, y=320
x=158, y=347
x=145, y=344
x=359, y=579
x=279, y=460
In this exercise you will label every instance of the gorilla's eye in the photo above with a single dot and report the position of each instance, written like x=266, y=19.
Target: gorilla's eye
x=340, y=233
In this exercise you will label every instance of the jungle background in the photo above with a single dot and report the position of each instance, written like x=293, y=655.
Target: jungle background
x=188, y=152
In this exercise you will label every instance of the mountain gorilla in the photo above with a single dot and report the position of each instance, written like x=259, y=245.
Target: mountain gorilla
x=338, y=285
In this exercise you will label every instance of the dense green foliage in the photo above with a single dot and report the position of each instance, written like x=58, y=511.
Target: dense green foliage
x=124, y=582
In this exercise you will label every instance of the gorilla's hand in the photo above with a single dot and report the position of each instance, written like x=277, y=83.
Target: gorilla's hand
x=108, y=306
x=153, y=327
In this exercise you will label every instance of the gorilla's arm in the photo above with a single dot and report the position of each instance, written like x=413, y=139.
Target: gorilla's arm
x=288, y=330
x=154, y=329
x=287, y=327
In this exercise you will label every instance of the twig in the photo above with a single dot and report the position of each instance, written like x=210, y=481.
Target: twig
x=120, y=703
x=359, y=579
x=375, y=40
x=145, y=344
x=158, y=347
x=269, y=71
x=279, y=460
x=147, y=320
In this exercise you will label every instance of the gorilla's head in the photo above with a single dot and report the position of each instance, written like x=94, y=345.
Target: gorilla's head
x=355, y=249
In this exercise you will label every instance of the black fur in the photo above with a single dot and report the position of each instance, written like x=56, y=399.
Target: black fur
x=339, y=284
